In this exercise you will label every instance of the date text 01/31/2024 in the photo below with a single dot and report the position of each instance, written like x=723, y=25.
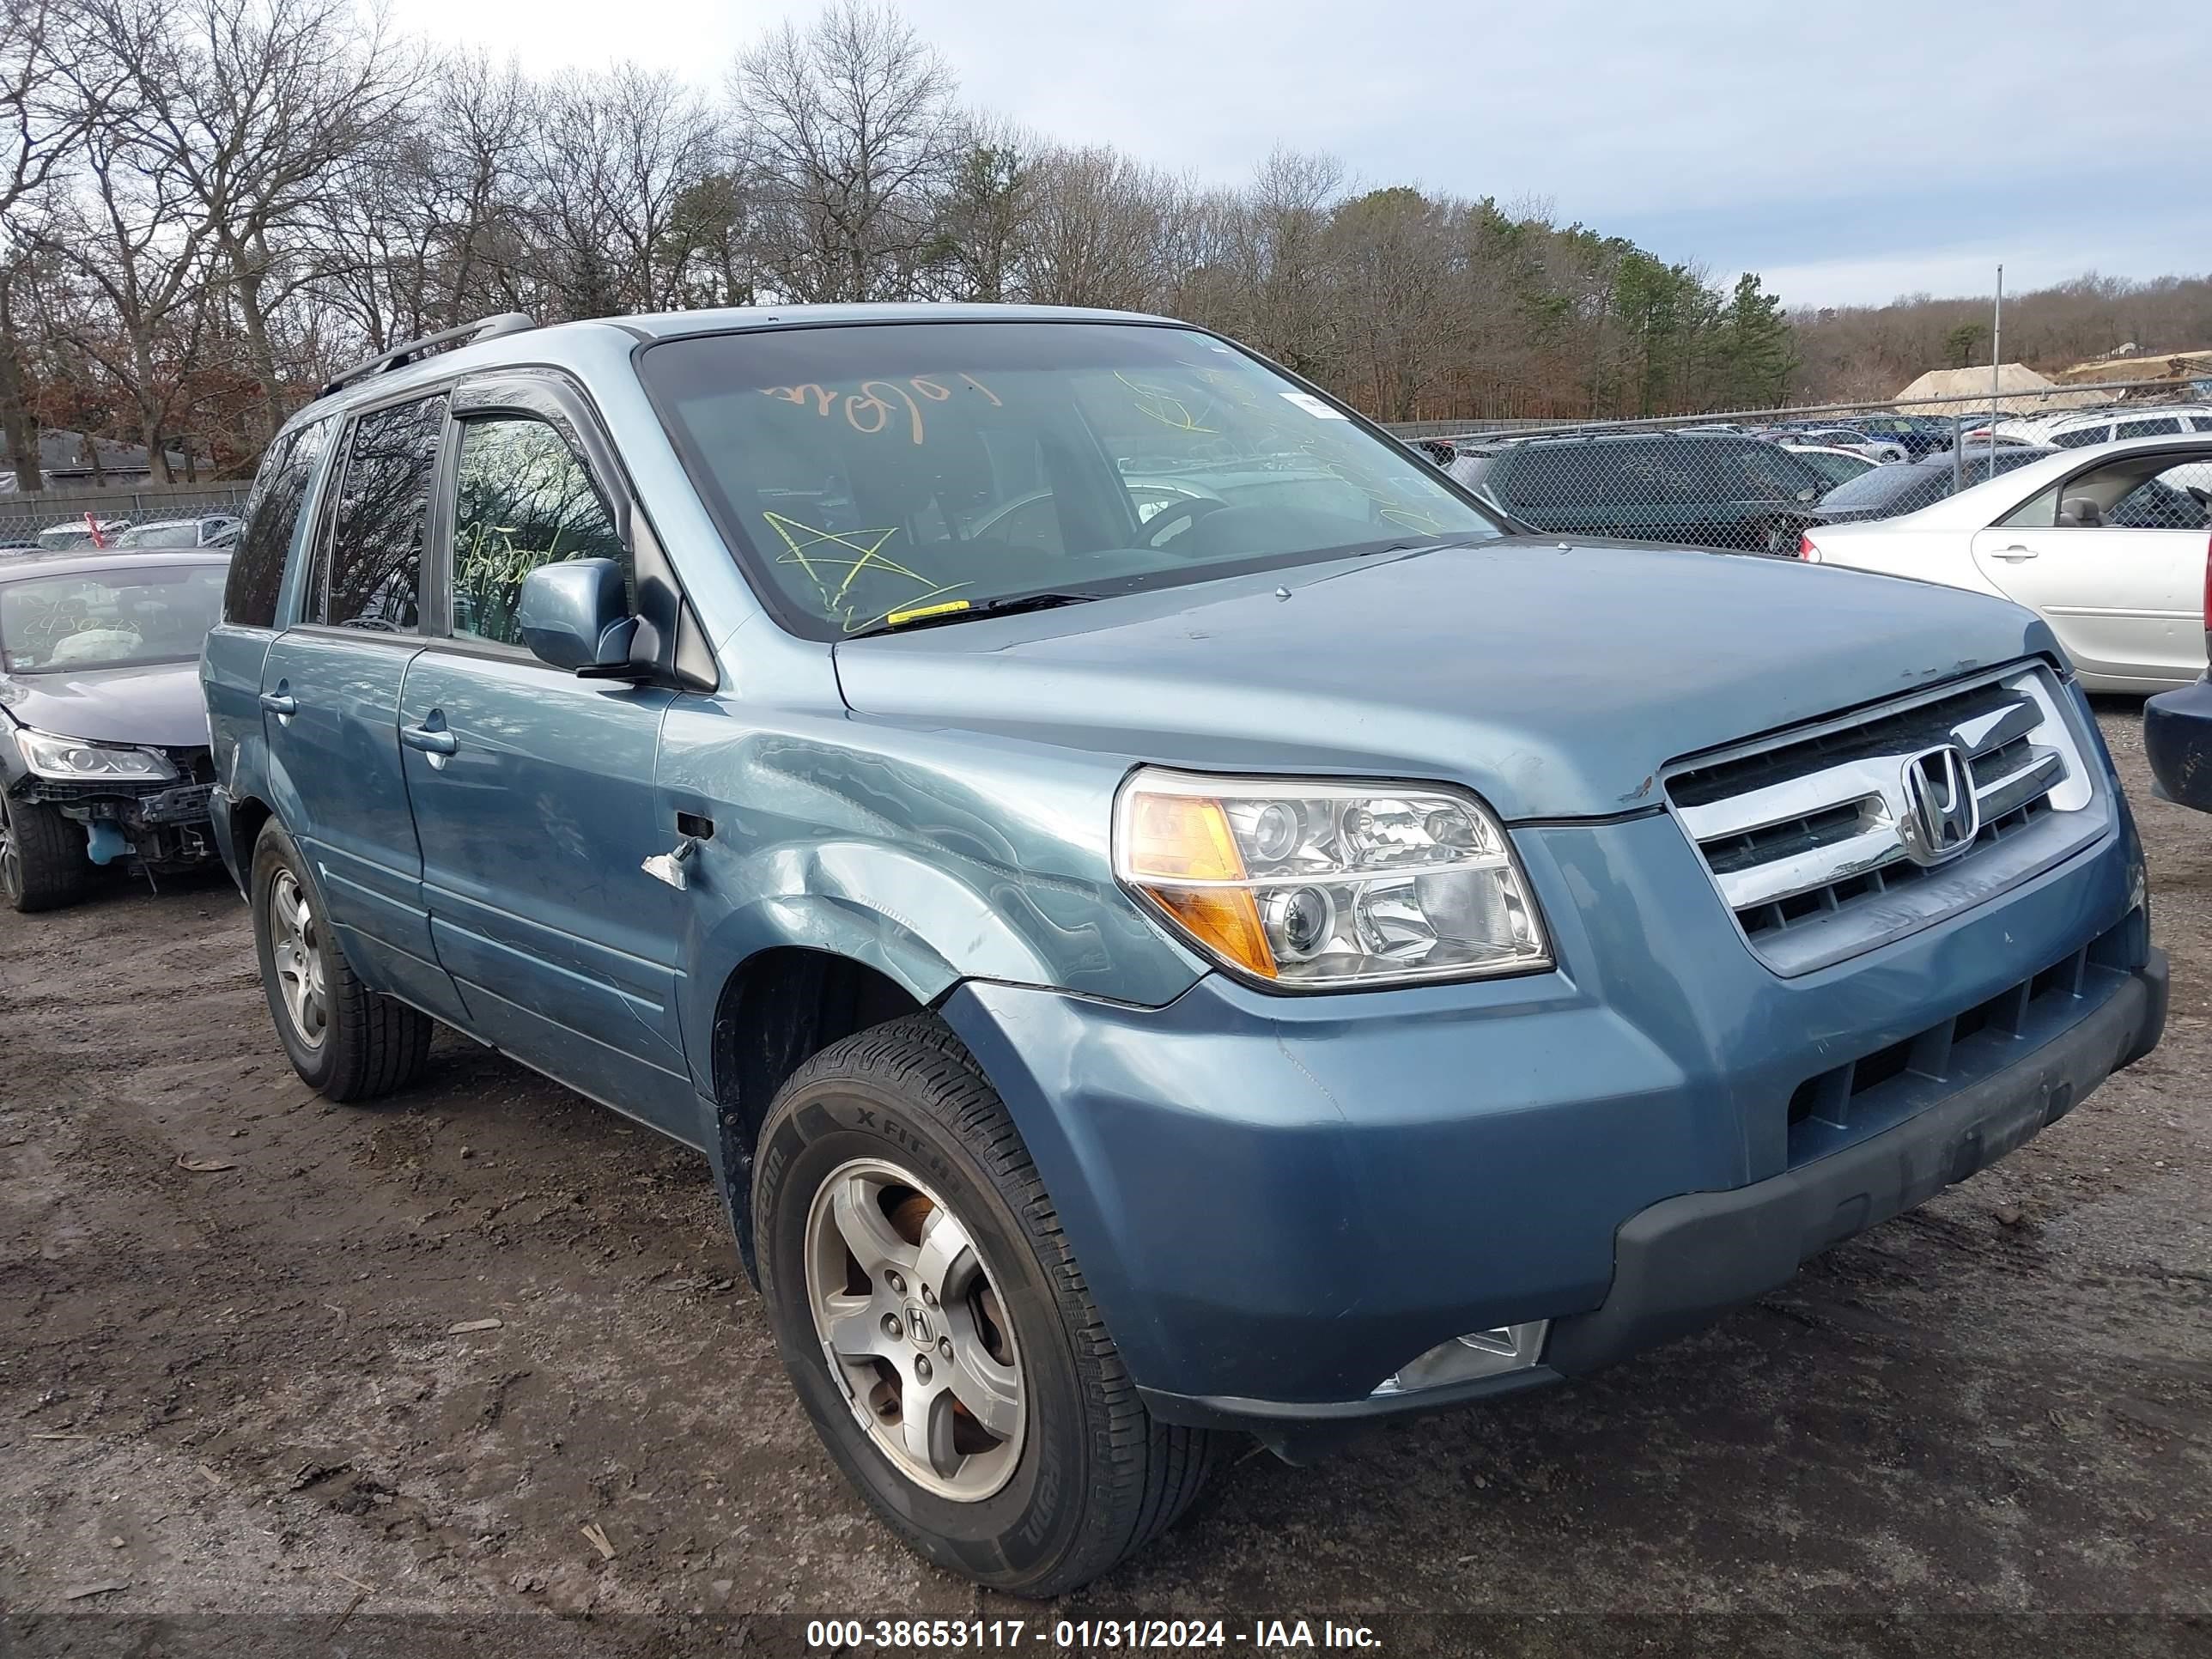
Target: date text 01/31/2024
x=1084, y=1635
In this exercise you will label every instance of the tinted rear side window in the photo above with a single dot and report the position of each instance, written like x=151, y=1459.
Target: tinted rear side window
x=272, y=514
x=374, y=579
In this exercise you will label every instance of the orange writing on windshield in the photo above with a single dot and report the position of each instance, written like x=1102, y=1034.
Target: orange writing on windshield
x=878, y=404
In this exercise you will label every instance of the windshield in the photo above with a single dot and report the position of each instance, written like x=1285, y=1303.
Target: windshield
x=107, y=618
x=868, y=475
x=184, y=534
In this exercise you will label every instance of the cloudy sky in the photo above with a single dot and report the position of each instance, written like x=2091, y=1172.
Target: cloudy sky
x=1847, y=150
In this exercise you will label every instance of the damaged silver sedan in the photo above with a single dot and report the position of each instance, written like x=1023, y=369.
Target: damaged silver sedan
x=103, y=739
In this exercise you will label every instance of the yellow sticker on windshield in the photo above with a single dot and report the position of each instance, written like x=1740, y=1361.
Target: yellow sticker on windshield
x=899, y=617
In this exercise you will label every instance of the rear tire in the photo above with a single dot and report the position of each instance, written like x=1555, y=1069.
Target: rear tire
x=346, y=1041
x=1061, y=1472
x=43, y=865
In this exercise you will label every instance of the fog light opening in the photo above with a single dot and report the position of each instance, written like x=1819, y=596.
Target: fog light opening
x=1479, y=1353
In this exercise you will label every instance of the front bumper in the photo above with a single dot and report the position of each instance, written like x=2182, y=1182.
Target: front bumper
x=1279, y=1202
x=2178, y=741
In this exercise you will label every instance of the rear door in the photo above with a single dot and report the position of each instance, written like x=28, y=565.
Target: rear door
x=330, y=699
x=2124, y=591
x=533, y=789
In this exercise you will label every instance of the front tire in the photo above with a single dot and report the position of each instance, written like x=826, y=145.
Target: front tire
x=939, y=1330
x=346, y=1041
x=42, y=859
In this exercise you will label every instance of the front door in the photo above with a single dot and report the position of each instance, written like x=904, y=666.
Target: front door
x=2113, y=558
x=330, y=703
x=534, y=797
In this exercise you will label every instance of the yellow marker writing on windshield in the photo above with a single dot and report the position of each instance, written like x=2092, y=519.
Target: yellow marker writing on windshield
x=899, y=617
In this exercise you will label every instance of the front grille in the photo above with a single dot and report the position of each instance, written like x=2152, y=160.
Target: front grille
x=1823, y=842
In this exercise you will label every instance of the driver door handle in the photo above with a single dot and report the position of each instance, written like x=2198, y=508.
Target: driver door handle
x=429, y=740
x=276, y=702
x=2014, y=553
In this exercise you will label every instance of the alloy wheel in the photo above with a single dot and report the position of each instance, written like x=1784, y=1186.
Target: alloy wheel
x=11, y=855
x=914, y=1330
x=295, y=949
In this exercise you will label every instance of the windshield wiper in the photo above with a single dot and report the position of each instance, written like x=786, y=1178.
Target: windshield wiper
x=1007, y=607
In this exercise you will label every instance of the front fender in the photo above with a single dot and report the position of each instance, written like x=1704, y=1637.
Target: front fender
x=933, y=857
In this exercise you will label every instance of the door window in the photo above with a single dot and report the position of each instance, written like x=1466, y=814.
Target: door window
x=2135, y=492
x=2165, y=426
x=524, y=498
x=272, y=514
x=372, y=578
x=2179, y=498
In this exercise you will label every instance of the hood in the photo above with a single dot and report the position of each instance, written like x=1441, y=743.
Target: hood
x=1554, y=679
x=157, y=704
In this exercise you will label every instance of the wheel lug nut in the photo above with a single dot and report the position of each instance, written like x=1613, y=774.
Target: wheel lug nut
x=945, y=1348
x=897, y=1283
x=891, y=1326
x=928, y=1296
x=922, y=1367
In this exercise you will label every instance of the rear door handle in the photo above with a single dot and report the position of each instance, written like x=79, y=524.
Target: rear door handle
x=2014, y=553
x=276, y=702
x=433, y=741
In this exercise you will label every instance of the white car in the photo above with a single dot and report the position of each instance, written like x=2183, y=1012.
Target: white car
x=2079, y=428
x=2109, y=545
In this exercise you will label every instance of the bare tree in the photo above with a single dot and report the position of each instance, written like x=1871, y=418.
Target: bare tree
x=132, y=287
x=615, y=157
x=1097, y=229
x=46, y=107
x=851, y=128
x=264, y=108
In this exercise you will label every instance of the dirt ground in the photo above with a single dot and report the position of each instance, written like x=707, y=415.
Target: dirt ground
x=240, y=1409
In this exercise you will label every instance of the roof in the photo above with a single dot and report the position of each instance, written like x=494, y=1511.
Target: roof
x=68, y=562
x=61, y=450
x=1968, y=392
x=571, y=345
x=669, y=325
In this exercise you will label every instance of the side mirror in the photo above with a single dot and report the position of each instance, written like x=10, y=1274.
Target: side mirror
x=575, y=616
x=2082, y=512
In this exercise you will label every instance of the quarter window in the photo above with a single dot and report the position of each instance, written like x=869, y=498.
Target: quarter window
x=524, y=499
x=374, y=576
x=272, y=515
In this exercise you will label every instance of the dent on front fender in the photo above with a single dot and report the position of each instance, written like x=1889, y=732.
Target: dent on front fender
x=933, y=860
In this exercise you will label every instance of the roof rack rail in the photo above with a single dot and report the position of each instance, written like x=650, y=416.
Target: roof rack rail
x=484, y=328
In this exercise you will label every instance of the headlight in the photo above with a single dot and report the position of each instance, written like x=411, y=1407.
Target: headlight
x=1322, y=886
x=74, y=760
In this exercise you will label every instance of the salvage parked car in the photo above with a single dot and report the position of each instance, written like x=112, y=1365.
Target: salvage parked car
x=1836, y=466
x=2107, y=543
x=213, y=530
x=1702, y=489
x=2177, y=730
x=72, y=534
x=1887, y=492
x=1255, y=968
x=103, y=734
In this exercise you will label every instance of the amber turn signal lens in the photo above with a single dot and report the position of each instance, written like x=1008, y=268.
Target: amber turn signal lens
x=1225, y=919
x=1182, y=838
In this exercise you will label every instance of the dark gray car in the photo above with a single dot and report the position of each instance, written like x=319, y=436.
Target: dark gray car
x=103, y=737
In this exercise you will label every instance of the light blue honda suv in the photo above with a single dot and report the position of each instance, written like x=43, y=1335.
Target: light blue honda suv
x=1166, y=919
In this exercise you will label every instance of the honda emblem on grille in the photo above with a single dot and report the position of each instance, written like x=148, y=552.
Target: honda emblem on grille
x=1941, y=816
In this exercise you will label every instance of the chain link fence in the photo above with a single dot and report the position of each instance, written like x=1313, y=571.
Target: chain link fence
x=1758, y=479
x=57, y=519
